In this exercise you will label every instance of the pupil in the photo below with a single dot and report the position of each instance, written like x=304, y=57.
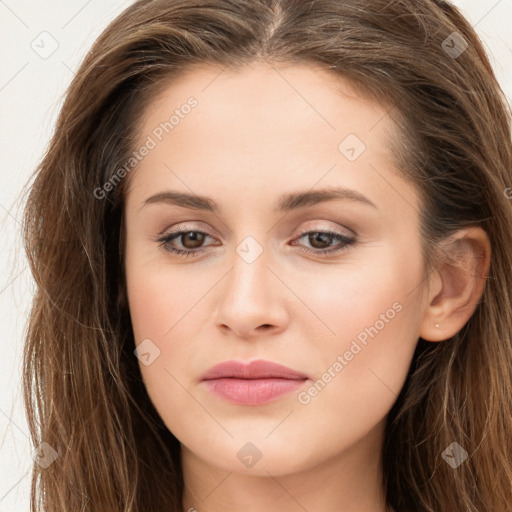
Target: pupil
x=195, y=237
x=318, y=237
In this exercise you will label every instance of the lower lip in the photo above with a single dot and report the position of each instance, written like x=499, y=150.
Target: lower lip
x=253, y=391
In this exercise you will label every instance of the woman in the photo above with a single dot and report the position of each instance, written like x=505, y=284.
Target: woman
x=271, y=243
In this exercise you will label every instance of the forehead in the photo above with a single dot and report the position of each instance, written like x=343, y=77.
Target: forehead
x=262, y=92
x=264, y=123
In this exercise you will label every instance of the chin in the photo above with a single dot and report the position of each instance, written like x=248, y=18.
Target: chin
x=259, y=458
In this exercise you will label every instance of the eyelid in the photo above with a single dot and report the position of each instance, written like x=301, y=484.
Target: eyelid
x=336, y=230
x=193, y=225
x=189, y=226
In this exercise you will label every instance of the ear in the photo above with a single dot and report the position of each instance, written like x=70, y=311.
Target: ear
x=457, y=284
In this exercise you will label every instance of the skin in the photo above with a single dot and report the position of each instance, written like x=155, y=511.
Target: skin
x=255, y=135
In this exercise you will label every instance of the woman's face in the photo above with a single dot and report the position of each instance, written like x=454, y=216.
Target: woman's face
x=306, y=254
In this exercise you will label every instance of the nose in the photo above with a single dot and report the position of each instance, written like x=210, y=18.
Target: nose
x=252, y=300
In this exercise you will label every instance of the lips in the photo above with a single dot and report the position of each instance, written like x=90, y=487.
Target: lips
x=259, y=369
x=255, y=383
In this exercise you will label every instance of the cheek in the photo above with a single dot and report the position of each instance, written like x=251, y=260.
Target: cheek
x=162, y=298
x=168, y=307
x=156, y=302
x=161, y=306
x=347, y=302
x=368, y=325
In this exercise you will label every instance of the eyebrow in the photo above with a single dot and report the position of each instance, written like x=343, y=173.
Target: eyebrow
x=287, y=202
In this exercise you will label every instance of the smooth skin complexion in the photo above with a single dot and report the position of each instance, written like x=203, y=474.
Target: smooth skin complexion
x=256, y=136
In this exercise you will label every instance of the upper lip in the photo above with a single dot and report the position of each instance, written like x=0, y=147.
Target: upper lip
x=259, y=369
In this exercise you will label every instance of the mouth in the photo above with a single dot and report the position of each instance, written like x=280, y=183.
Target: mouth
x=255, y=383
x=253, y=391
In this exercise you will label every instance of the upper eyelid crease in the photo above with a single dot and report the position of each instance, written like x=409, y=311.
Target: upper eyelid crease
x=287, y=202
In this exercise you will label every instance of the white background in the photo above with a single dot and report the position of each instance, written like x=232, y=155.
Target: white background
x=31, y=90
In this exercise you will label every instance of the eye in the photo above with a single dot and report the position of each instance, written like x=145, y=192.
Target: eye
x=192, y=241
x=319, y=239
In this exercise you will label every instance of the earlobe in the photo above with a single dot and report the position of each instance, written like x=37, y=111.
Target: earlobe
x=459, y=282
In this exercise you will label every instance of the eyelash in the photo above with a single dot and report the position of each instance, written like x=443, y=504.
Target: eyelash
x=167, y=239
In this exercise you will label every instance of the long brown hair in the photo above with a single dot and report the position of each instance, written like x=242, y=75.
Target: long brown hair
x=84, y=394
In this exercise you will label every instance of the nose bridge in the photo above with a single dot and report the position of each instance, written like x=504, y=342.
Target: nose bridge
x=249, y=274
x=249, y=295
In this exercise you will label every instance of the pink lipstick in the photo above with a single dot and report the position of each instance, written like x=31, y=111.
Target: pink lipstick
x=255, y=383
